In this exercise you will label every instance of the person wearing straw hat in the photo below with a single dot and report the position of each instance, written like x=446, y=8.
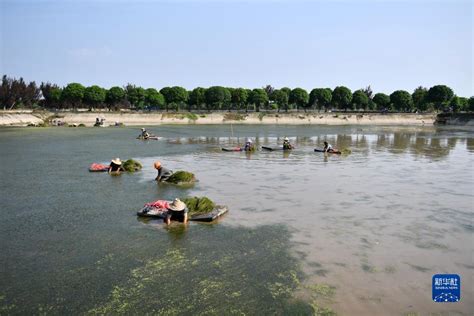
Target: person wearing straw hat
x=163, y=173
x=115, y=165
x=249, y=145
x=144, y=134
x=286, y=144
x=177, y=211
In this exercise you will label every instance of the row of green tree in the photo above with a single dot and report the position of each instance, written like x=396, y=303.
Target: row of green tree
x=16, y=93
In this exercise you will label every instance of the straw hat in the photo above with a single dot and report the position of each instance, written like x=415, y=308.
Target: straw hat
x=177, y=205
x=117, y=161
x=249, y=140
x=157, y=165
x=286, y=139
x=143, y=128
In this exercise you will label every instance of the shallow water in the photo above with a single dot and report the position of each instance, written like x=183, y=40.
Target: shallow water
x=360, y=234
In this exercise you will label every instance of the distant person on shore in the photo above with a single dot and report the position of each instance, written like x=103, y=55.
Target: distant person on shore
x=163, y=173
x=249, y=145
x=286, y=144
x=177, y=211
x=144, y=134
x=327, y=147
x=115, y=166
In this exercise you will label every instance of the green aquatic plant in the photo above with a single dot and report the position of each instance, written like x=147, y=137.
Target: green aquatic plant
x=253, y=274
x=321, y=310
x=191, y=116
x=346, y=151
x=131, y=165
x=199, y=205
x=234, y=117
x=182, y=177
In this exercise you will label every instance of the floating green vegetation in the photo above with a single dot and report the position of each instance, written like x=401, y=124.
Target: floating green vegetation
x=346, y=151
x=199, y=205
x=131, y=165
x=182, y=177
x=191, y=116
x=234, y=117
x=253, y=274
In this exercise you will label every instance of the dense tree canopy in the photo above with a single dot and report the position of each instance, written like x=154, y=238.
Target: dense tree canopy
x=197, y=97
x=136, y=96
x=18, y=93
x=281, y=97
x=341, y=97
x=320, y=98
x=360, y=100
x=94, y=95
x=401, y=100
x=440, y=95
x=217, y=97
x=154, y=99
x=382, y=101
x=114, y=96
x=299, y=97
x=73, y=94
x=258, y=97
x=239, y=97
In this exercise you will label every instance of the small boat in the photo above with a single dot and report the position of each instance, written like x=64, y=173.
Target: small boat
x=149, y=138
x=218, y=211
x=274, y=148
x=319, y=150
x=97, y=167
x=154, y=212
x=157, y=212
x=232, y=149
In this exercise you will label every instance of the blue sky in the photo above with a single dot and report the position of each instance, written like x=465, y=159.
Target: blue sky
x=389, y=45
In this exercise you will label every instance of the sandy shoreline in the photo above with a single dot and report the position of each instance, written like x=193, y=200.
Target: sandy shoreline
x=23, y=118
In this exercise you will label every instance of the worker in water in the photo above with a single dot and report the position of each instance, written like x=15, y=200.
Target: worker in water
x=177, y=211
x=163, y=173
x=115, y=166
x=249, y=145
x=144, y=134
x=286, y=144
x=327, y=147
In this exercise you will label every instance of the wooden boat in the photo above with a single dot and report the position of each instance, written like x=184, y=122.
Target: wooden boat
x=319, y=150
x=274, y=148
x=232, y=149
x=153, y=212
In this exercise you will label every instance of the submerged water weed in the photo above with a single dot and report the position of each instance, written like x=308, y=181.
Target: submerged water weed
x=5, y=308
x=202, y=278
x=322, y=291
x=390, y=269
x=321, y=310
x=368, y=268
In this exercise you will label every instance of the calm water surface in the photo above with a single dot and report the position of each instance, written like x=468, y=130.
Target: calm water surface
x=360, y=234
